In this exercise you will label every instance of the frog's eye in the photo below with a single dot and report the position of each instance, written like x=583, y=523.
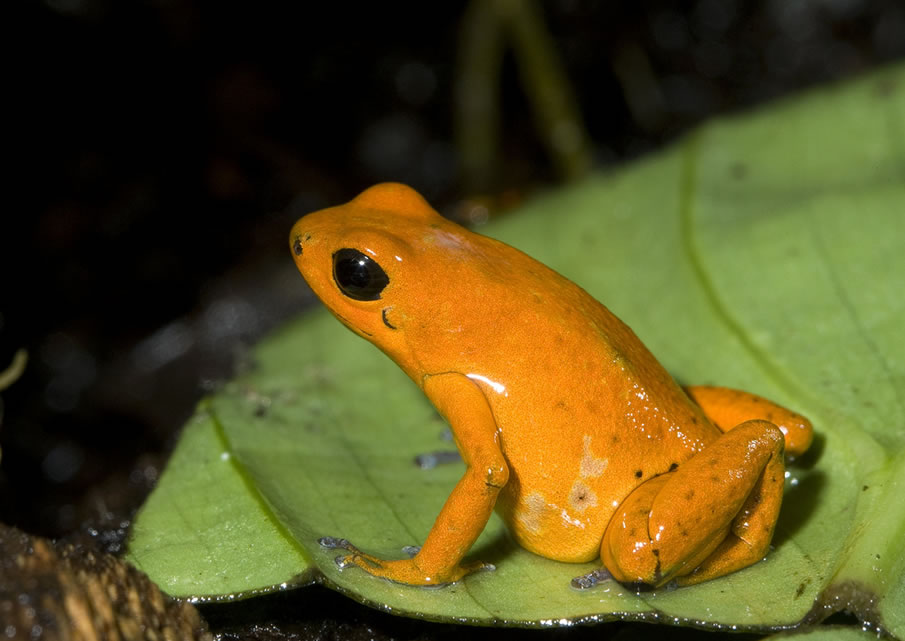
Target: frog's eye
x=359, y=277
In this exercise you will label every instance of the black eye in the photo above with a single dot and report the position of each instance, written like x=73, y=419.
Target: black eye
x=358, y=276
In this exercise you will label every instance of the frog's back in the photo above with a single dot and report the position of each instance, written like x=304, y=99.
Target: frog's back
x=585, y=412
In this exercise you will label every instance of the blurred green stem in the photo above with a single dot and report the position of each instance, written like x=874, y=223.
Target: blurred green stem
x=15, y=369
x=487, y=26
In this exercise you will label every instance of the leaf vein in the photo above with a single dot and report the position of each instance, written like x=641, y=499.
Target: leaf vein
x=687, y=186
x=251, y=487
x=853, y=315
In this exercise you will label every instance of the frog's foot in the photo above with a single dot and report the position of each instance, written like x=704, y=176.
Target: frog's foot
x=334, y=543
x=345, y=560
x=406, y=571
x=715, y=514
x=591, y=579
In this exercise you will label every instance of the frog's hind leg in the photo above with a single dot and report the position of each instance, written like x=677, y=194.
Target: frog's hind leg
x=727, y=408
x=713, y=515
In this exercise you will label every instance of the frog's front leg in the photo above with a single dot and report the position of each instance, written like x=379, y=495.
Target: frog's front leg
x=471, y=502
x=715, y=514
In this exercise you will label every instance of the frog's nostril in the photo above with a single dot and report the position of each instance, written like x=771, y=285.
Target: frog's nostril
x=297, y=246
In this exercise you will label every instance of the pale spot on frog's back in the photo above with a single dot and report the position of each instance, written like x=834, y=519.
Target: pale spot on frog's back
x=533, y=506
x=581, y=497
x=445, y=239
x=590, y=465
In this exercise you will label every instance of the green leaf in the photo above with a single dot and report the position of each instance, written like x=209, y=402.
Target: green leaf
x=763, y=252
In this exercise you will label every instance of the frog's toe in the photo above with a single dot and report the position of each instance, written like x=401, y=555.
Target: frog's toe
x=355, y=557
x=366, y=562
x=334, y=543
x=344, y=561
x=591, y=579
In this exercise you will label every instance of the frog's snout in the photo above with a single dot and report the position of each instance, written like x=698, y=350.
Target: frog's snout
x=298, y=238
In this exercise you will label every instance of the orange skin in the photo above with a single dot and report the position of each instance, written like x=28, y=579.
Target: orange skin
x=567, y=424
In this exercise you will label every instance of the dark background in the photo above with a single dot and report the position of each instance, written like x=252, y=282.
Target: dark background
x=160, y=151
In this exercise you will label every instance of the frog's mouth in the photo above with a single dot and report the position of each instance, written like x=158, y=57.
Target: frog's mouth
x=347, y=323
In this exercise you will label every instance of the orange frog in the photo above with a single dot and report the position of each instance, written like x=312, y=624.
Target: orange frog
x=567, y=424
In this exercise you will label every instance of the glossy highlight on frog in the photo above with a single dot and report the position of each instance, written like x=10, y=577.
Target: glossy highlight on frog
x=568, y=426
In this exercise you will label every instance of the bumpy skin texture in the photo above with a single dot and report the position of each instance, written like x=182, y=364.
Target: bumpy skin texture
x=568, y=426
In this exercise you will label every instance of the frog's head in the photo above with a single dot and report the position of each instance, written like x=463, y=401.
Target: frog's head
x=361, y=260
